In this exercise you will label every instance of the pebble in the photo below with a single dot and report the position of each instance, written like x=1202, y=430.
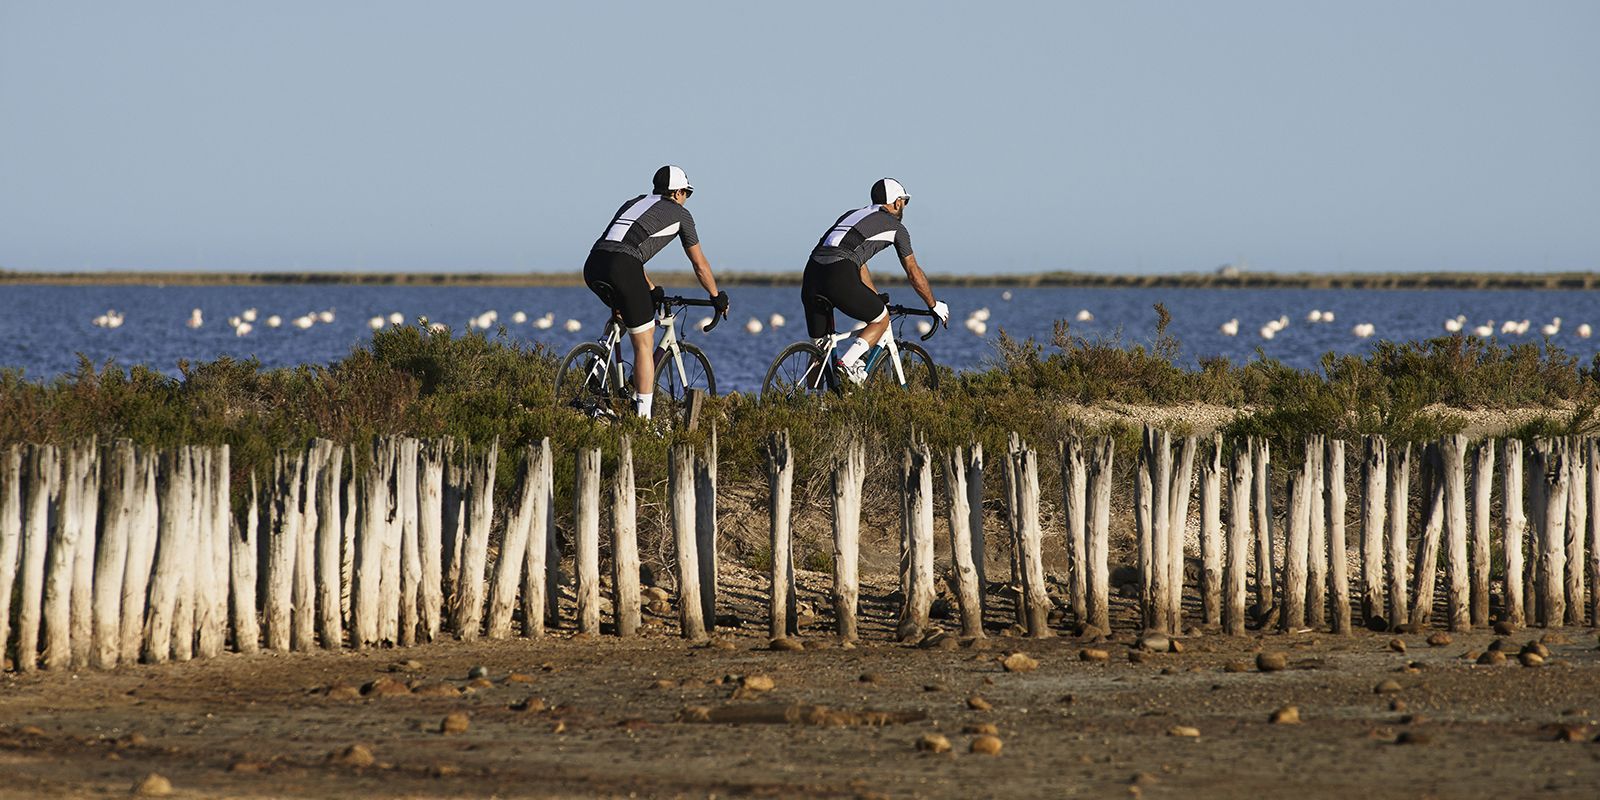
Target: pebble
x=1386, y=686
x=975, y=643
x=660, y=608
x=385, y=687
x=1093, y=654
x=870, y=677
x=666, y=683
x=1271, y=661
x=519, y=677
x=987, y=728
x=757, y=683
x=478, y=672
x=933, y=743
x=153, y=785
x=1439, y=639
x=725, y=645
x=1019, y=662
x=1236, y=666
x=1413, y=737
x=785, y=644
x=1397, y=645
x=454, y=722
x=1492, y=658
x=1287, y=715
x=481, y=683
x=1137, y=656
x=934, y=687
x=1091, y=632
x=1499, y=645
x=405, y=666
x=1531, y=659
x=559, y=727
x=356, y=755
x=1187, y=731
x=343, y=691
x=1504, y=628
x=977, y=703
x=1177, y=646
x=1154, y=642
x=986, y=745
x=529, y=704
x=1537, y=648
x=1571, y=733
x=436, y=690
x=1397, y=704
x=1555, y=638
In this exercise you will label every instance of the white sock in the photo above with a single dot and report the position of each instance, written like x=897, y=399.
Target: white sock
x=643, y=400
x=858, y=348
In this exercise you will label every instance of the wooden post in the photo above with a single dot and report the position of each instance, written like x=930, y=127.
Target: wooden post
x=1482, y=498
x=1552, y=469
x=282, y=538
x=1515, y=530
x=10, y=535
x=1178, y=499
x=121, y=487
x=1538, y=488
x=39, y=516
x=365, y=629
x=1261, y=459
x=1157, y=612
x=304, y=595
x=1036, y=600
x=960, y=516
x=454, y=520
x=59, y=567
x=1338, y=554
x=1317, y=569
x=1101, y=454
x=1452, y=451
x=1426, y=566
x=1241, y=478
x=1374, y=469
x=328, y=540
x=1144, y=517
x=514, y=549
x=392, y=532
x=1399, y=519
x=406, y=488
x=541, y=527
x=1296, y=554
x=625, y=543
x=586, y=489
x=86, y=487
x=208, y=638
x=781, y=613
x=1577, y=525
x=975, y=521
x=916, y=539
x=141, y=557
x=1211, y=544
x=1008, y=473
x=221, y=551
x=1592, y=464
x=681, y=488
x=430, y=537
x=479, y=512
x=350, y=500
x=242, y=543
x=1074, y=502
x=705, y=504
x=847, y=474
x=174, y=516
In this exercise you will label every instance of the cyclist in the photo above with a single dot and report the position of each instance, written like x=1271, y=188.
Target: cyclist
x=837, y=273
x=638, y=231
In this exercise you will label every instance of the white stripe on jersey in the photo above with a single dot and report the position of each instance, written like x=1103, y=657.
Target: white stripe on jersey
x=886, y=236
x=837, y=235
x=629, y=216
x=667, y=231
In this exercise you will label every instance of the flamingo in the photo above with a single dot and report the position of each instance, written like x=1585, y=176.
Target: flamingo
x=1327, y=316
x=544, y=322
x=1485, y=330
x=325, y=317
x=1229, y=328
x=753, y=326
x=249, y=315
x=1364, y=330
x=438, y=327
x=1006, y=295
x=1551, y=329
x=776, y=321
x=1315, y=315
x=573, y=326
x=1452, y=325
x=376, y=323
x=923, y=326
x=303, y=322
x=981, y=315
x=274, y=321
x=519, y=317
x=196, y=319
x=1085, y=316
x=1584, y=331
x=397, y=318
x=243, y=329
x=1268, y=331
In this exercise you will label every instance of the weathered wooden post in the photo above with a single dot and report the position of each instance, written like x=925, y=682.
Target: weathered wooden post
x=430, y=537
x=1101, y=453
x=1074, y=502
x=1452, y=451
x=968, y=592
x=350, y=501
x=586, y=488
x=1211, y=544
x=1317, y=567
x=975, y=504
x=1240, y=480
x=1399, y=520
x=1144, y=523
x=1338, y=555
x=625, y=543
x=1425, y=568
x=365, y=629
x=1554, y=472
x=1155, y=555
x=916, y=539
x=305, y=548
x=121, y=488
x=1374, y=468
x=514, y=548
x=221, y=550
x=10, y=535
x=1296, y=554
x=329, y=540
x=244, y=546
x=1577, y=528
x=208, y=639
x=705, y=505
x=847, y=474
x=681, y=488
x=541, y=527
x=393, y=532
x=1538, y=488
x=479, y=511
x=59, y=567
x=39, y=516
x=407, y=509
x=282, y=537
x=174, y=517
x=141, y=558
x=454, y=520
x=1592, y=463
x=1515, y=531
x=1178, y=500
x=1036, y=600
x=86, y=488
x=1482, y=498
x=781, y=613
x=1261, y=459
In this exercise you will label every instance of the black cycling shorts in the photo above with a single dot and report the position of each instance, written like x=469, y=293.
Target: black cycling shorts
x=630, y=293
x=839, y=283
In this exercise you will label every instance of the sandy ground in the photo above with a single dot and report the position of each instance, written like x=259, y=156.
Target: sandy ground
x=602, y=717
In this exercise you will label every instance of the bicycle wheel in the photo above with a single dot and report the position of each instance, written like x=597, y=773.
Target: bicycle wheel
x=672, y=391
x=798, y=370
x=582, y=383
x=914, y=361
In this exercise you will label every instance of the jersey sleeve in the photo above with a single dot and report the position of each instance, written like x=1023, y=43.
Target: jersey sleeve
x=686, y=232
x=902, y=242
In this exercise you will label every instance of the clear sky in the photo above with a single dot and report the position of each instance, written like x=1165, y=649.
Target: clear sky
x=1108, y=137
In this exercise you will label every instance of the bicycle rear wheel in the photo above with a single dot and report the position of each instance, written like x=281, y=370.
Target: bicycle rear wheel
x=920, y=372
x=800, y=369
x=582, y=383
x=672, y=391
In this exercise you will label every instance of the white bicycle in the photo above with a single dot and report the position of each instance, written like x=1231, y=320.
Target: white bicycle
x=810, y=367
x=595, y=378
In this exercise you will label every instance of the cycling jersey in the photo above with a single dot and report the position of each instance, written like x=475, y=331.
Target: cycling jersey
x=644, y=225
x=859, y=235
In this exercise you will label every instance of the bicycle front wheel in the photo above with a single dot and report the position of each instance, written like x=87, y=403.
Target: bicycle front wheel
x=799, y=369
x=920, y=372
x=672, y=390
x=582, y=383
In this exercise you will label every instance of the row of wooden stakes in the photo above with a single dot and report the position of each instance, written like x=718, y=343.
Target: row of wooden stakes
x=118, y=554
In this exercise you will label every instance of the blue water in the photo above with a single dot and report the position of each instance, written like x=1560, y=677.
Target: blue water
x=44, y=328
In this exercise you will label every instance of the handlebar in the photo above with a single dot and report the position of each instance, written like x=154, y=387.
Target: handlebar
x=901, y=311
x=668, y=302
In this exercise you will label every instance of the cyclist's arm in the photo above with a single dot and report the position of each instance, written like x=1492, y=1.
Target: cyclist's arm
x=702, y=268
x=919, y=281
x=866, y=278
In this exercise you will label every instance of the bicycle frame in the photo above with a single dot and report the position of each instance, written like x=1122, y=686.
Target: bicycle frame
x=666, y=322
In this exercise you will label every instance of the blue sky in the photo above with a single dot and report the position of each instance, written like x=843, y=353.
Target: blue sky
x=1107, y=137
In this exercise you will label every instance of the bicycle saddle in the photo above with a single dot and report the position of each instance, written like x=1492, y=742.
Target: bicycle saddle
x=607, y=293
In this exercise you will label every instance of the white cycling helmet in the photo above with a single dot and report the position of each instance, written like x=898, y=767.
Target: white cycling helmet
x=888, y=190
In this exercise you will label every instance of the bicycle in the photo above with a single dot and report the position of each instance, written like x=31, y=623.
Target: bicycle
x=594, y=377
x=810, y=366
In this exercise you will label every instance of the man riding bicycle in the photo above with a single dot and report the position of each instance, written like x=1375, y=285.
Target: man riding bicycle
x=637, y=232
x=836, y=275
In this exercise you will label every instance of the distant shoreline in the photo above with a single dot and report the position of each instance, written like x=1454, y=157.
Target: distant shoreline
x=1553, y=281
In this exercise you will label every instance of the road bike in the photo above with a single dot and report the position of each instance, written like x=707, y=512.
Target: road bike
x=595, y=377
x=811, y=367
